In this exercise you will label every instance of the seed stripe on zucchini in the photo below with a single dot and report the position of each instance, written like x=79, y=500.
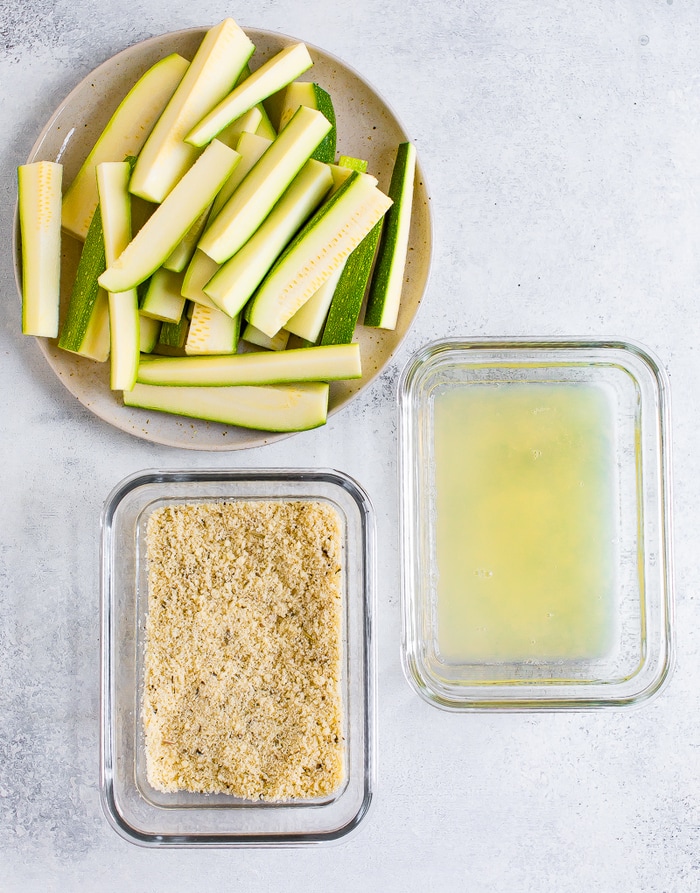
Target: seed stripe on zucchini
x=326, y=240
x=234, y=283
x=387, y=279
x=39, y=191
x=212, y=332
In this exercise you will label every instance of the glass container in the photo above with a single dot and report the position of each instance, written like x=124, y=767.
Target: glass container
x=151, y=818
x=535, y=524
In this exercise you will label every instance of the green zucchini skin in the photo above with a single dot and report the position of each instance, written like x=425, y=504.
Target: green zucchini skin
x=125, y=134
x=387, y=279
x=272, y=76
x=350, y=291
x=284, y=407
x=235, y=282
x=171, y=220
x=329, y=363
x=264, y=184
x=86, y=288
x=314, y=97
x=325, y=241
x=165, y=157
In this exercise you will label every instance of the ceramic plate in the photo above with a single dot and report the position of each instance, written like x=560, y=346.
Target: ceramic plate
x=367, y=128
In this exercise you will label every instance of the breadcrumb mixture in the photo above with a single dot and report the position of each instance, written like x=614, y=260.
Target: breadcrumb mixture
x=243, y=649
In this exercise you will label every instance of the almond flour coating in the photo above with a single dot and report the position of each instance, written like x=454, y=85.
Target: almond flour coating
x=243, y=649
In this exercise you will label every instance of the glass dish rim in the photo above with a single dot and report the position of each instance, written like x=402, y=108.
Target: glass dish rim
x=530, y=697
x=367, y=548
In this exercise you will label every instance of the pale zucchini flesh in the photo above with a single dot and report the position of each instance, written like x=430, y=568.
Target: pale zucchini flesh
x=217, y=64
x=388, y=277
x=149, y=330
x=313, y=97
x=115, y=207
x=274, y=74
x=125, y=134
x=181, y=255
x=212, y=332
x=198, y=273
x=283, y=407
x=163, y=299
x=250, y=146
x=254, y=336
x=39, y=199
x=308, y=321
x=172, y=219
x=261, y=189
x=331, y=363
x=234, y=283
x=319, y=249
x=247, y=123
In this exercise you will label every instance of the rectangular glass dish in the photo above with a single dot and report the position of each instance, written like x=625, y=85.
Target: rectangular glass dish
x=535, y=525
x=150, y=817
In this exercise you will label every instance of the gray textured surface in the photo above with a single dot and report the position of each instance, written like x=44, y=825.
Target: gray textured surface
x=560, y=142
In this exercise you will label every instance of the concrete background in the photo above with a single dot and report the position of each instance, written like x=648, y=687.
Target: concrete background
x=561, y=145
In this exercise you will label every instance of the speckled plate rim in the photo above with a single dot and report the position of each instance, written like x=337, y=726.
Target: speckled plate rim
x=89, y=381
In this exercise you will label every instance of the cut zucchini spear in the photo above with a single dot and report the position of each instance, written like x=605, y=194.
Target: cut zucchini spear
x=164, y=299
x=124, y=135
x=350, y=292
x=183, y=251
x=220, y=59
x=250, y=147
x=173, y=336
x=313, y=97
x=387, y=280
x=115, y=206
x=39, y=186
x=283, y=407
x=212, y=332
x=234, y=283
x=309, y=319
x=149, y=332
x=303, y=364
x=171, y=220
x=260, y=339
x=199, y=272
x=85, y=329
x=322, y=245
x=274, y=74
x=260, y=190
x=247, y=123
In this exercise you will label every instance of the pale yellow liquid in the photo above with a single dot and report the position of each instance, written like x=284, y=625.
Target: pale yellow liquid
x=525, y=507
